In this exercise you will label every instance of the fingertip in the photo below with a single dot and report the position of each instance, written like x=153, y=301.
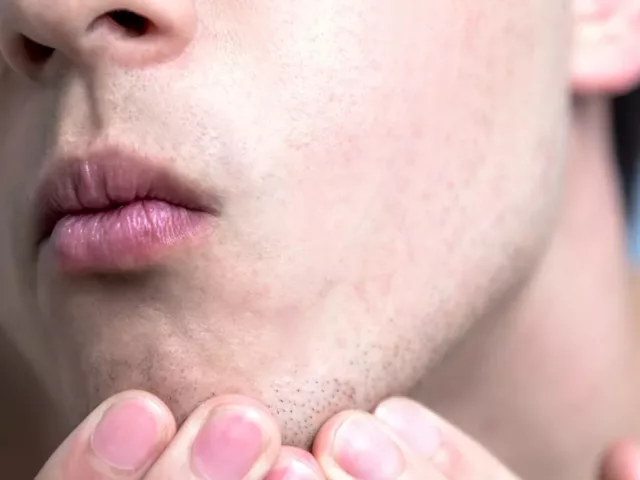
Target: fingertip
x=428, y=436
x=233, y=435
x=323, y=441
x=156, y=406
x=295, y=464
x=122, y=436
x=355, y=444
x=254, y=408
x=413, y=424
x=257, y=409
x=404, y=403
x=141, y=401
x=130, y=434
x=621, y=462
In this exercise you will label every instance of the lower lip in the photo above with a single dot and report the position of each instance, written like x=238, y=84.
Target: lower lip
x=133, y=236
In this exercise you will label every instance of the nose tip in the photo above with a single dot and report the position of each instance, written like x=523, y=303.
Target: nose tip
x=129, y=33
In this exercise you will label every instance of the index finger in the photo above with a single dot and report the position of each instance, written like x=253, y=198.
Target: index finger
x=456, y=455
x=120, y=439
x=401, y=440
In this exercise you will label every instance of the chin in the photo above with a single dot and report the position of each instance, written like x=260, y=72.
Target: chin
x=300, y=402
x=186, y=344
x=303, y=385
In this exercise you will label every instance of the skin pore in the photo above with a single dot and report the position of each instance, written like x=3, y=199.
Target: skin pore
x=381, y=205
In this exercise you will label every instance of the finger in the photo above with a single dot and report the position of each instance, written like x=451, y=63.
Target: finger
x=119, y=440
x=622, y=462
x=227, y=438
x=436, y=441
x=295, y=464
x=356, y=445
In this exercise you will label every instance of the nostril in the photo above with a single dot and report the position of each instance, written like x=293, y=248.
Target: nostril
x=129, y=23
x=36, y=52
x=132, y=24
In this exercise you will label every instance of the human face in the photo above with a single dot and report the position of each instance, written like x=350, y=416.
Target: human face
x=371, y=177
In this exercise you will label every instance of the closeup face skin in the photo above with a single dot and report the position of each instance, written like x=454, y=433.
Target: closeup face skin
x=384, y=174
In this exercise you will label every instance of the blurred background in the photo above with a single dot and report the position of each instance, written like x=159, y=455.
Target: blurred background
x=627, y=119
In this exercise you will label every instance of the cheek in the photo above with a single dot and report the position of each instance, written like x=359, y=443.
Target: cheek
x=381, y=157
x=356, y=128
x=355, y=103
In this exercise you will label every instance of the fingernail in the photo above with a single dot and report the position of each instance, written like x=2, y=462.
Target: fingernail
x=228, y=445
x=364, y=451
x=412, y=424
x=295, y=470
x=128, y=434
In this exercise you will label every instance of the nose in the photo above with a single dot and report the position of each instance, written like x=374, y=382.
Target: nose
x=128, y=33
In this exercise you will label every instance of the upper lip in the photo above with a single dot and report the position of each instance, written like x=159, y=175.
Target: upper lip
x=108, y=179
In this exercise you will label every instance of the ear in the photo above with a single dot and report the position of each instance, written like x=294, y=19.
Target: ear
x=606, y=49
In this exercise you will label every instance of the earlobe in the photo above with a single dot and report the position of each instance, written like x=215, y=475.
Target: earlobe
x=606, y=46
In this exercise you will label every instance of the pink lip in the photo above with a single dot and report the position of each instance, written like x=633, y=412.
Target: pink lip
x=113, y=211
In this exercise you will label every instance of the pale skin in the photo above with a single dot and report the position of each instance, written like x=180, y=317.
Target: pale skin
x=400, y=440
x=416, y=199
x=393, y=446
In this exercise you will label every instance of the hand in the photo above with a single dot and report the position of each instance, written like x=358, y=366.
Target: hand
x=404, y=440
x=401, y=440
x=133, y=436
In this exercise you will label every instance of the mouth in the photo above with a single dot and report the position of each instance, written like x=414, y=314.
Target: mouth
x=114, y=211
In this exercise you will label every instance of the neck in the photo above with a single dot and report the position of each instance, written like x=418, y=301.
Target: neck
x=558, y=367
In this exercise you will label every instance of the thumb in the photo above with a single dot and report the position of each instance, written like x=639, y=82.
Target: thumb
x=120, y=439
